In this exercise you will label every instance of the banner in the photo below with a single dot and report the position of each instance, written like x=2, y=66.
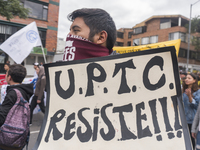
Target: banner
x=128, y=101
x=20, y=44
x=38, y=50
x=129, y=49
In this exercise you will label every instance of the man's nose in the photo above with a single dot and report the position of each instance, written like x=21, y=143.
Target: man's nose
x=70, y=32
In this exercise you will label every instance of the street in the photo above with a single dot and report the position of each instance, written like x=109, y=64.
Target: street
x=35, y=129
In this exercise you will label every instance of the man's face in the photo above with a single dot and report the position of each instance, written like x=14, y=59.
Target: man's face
x=37, y=69
x=35, y=66
x=6, y=67
x=79, y=28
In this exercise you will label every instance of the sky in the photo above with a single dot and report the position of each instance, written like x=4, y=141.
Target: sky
x=127, y=13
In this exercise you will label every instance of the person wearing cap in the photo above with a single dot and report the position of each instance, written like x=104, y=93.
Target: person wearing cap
x=92, y=34
x=191, y=98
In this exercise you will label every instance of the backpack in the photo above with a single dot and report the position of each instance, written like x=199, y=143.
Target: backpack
x=15, y=130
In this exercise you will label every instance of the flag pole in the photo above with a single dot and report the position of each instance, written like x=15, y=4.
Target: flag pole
x=43, y=54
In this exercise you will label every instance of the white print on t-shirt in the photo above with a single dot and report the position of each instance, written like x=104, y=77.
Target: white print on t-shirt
x=69, y=53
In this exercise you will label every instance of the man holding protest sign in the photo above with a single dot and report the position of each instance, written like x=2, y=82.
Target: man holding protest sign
x=99, y=103
x=92, y=34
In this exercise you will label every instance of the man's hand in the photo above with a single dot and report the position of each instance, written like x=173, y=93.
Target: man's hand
x=194, y=135
x=38, y=101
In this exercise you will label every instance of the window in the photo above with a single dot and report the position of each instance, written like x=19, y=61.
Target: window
x=38, y=11
x=43, y=37
x=183, y=37
x=198, y=55
x=154, y=39
x=139, y=30
x=182, y=53
x=2, y=33
x=120, y=44
x=193, y=55
x=165, y=23
x=136, y=42
x=120, y=35
x=6, y=31
x=30, y=60
x=2, y=57
x=3, y=29
x=145, y=40
x=177, y=35
x=129, y=35
x=129, y=43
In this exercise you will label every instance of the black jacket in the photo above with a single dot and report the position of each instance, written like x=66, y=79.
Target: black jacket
x=11, y=97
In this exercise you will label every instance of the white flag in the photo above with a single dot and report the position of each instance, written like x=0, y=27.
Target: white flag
x=20, y=44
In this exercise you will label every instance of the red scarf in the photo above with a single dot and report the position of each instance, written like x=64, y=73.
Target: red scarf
x=80, y=48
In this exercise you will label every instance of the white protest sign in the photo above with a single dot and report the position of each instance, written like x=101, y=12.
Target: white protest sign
x=128, y=101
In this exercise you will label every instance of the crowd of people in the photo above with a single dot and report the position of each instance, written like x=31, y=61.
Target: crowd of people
x=190, y=84
x=98, y=32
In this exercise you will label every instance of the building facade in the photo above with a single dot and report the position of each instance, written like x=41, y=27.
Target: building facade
x=159, y=29
x=45, y=14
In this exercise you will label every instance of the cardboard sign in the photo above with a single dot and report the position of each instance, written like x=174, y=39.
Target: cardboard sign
x=128, y=101
x=129, y=49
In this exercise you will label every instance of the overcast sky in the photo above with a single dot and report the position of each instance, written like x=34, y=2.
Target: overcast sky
x=126, y=13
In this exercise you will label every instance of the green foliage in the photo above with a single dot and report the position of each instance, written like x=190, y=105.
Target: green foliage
x=12, y=8
x=195, y=24
x=195, y=28
x=196, y=43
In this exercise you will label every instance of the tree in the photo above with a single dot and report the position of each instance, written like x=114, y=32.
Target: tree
x=195, y=28
x=195, y=24
x=12, y=8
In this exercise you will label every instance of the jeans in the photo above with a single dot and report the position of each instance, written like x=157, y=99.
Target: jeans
x=34, y=104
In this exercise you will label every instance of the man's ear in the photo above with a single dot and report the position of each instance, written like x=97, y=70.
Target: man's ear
x=9, y=77
x=102, y=38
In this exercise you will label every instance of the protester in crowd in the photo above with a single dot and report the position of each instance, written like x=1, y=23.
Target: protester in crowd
x=92, y=34
x=6, y=66
x=38, y=97
x=191, y=98
x=7, y=62
x=4, y=86
x=196, y=129
x=182, y=77
x=35, y=65
x=14, y=77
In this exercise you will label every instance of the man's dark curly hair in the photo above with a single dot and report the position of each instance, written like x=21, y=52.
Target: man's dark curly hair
x=97, y=20
x=17, y=73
